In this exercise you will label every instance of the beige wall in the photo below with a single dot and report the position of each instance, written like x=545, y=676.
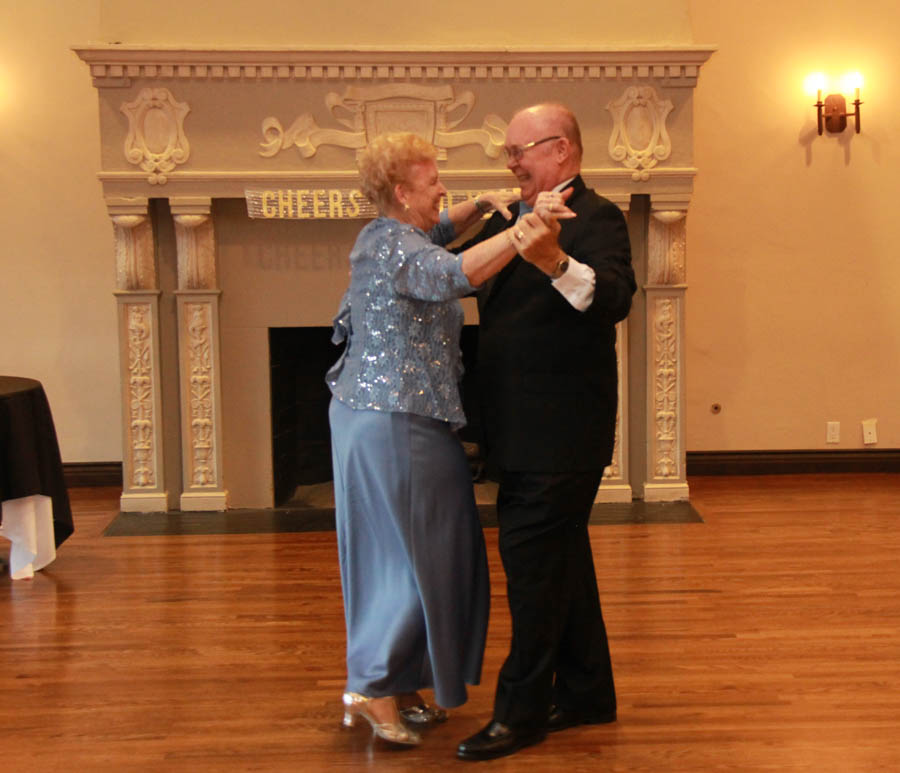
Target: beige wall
x=393, y=23
x=791, y=319
x=57, y=273
x=792, y=312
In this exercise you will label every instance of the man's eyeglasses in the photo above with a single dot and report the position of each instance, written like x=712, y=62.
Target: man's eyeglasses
x=515, y=152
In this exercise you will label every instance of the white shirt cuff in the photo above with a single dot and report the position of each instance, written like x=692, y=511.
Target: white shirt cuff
x=577, y=284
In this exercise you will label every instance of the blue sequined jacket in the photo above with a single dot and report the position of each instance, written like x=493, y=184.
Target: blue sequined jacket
x=401, y=320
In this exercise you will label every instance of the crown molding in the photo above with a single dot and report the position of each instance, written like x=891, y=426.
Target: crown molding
x=676, y=65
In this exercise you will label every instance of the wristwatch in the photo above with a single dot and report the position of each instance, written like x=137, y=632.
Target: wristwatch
x=561, y=268
x=482, y=206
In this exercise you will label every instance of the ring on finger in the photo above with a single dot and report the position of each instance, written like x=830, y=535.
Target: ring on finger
x=519, y=234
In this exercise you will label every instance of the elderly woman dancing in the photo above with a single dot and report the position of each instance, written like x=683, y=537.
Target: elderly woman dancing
x=413, y=564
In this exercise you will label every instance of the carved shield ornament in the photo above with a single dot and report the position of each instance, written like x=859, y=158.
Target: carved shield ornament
x=639, y=138
x=156, y=141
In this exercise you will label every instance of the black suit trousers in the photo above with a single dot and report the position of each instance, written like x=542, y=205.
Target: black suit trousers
x=559, y=651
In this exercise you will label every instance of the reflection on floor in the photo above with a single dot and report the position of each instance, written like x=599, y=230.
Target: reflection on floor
x=322, y=495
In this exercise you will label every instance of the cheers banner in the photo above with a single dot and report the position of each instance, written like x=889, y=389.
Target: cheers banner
x=321, y=203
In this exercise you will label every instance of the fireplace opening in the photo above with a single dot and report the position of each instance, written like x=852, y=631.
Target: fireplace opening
x=299, y=358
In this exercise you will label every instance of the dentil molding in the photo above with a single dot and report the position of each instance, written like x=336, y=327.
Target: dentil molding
x=114, y=66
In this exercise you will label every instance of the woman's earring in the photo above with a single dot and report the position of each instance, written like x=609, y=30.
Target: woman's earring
x=406, y=206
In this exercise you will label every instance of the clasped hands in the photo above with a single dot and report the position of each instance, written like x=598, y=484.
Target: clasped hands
x=535, y=234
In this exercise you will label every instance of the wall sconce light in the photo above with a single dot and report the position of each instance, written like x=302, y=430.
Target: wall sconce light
x=832, y=113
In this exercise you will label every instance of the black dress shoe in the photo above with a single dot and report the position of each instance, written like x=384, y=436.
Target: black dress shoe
x=498, y=740
x=561, y=719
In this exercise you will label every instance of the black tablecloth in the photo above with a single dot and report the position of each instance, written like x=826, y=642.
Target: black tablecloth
x=29, y=453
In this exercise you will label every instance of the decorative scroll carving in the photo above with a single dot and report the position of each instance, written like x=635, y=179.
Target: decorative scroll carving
x=667, y=247
x=156, y=141
x=140, y=394
x=196, y=252
x=639, y=138
x=614, y=470
x=665, y=391
x=367, y=111
x=200, y=367
x=134, y=253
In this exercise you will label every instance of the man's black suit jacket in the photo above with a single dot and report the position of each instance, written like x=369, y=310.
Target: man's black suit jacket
x=546, y=371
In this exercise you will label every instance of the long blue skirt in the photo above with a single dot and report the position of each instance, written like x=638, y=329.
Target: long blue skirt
x=413, y=563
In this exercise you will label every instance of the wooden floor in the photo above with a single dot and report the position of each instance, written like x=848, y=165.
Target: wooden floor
x=766, y=638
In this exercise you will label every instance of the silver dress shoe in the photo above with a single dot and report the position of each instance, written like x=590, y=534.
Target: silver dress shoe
x=356, y=705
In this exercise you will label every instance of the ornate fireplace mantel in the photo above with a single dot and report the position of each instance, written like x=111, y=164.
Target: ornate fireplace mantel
x=281, y=128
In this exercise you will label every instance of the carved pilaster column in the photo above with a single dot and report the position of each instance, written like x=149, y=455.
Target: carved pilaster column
x=137, y=297
x=615, y=486
x=199, y=357
x=666, y=479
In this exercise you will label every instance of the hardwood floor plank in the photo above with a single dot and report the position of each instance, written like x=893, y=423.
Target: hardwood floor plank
x=765, y=638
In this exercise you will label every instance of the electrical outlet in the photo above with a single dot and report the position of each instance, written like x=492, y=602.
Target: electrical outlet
x=870, y=435
x=833, y=432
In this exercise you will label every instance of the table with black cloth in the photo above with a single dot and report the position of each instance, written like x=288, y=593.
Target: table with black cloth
x=36, y=515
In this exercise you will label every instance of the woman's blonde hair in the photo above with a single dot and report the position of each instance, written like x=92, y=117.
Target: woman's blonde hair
x=386, y=161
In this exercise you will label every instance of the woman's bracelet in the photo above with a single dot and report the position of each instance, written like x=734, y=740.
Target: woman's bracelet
x=482, y=206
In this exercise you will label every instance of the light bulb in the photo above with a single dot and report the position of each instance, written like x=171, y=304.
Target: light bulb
x=815, y=84
x=851, y=83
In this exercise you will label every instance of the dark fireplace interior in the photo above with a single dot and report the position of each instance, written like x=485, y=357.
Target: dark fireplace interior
x=299, y=357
